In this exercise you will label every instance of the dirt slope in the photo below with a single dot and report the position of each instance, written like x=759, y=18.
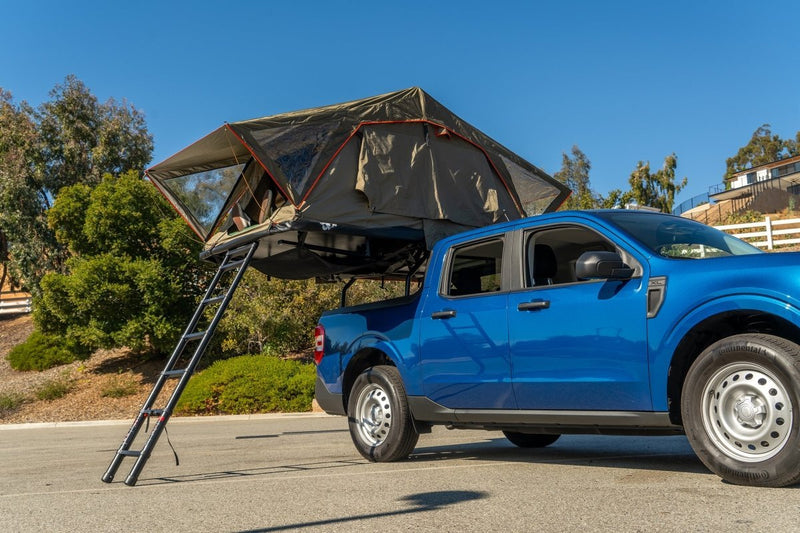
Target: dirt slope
x=89, y=381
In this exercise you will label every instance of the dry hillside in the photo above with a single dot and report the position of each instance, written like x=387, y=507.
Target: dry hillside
x=91, y=382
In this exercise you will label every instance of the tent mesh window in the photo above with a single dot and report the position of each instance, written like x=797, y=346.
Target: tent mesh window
x=203, y=195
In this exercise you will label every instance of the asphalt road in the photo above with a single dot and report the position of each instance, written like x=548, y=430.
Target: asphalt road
x=301, y=472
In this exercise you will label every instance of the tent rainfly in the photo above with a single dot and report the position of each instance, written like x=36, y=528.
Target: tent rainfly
x=356, y=189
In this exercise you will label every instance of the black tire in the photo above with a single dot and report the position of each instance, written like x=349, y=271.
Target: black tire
x=738, y=405
x=380, y=420
x=530, y=440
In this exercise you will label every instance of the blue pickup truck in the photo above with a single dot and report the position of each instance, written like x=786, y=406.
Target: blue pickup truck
x=611, y=322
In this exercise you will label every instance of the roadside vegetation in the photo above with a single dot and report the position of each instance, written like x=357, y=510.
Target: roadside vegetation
x=277, y=317
x=55, y=388
x=10, y=402
x=120, y=386
x=250, y=384
x=42, y=351
x=745, y=217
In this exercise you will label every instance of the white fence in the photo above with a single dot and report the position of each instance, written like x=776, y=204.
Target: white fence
x=768, y=234
x=11, y=303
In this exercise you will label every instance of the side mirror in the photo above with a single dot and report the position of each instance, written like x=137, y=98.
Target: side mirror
x=602, y=265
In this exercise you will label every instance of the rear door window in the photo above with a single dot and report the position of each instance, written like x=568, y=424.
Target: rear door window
x=476, y=268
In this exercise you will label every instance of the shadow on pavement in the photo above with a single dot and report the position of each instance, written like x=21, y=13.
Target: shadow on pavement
x=666, y=454
x=669, y=454
x=251, y=472
x=420, y=503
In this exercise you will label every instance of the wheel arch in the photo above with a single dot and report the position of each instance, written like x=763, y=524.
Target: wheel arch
x=712, y=329
x=363, y=359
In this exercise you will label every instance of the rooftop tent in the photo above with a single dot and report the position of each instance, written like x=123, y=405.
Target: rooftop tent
x=360, y=188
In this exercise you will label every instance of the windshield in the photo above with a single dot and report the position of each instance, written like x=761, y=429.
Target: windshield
x=676, y=237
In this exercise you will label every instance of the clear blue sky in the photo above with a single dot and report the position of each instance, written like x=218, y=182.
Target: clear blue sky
x=625, y=81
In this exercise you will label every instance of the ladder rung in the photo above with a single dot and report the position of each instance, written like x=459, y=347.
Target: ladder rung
x=170, y=373
x=194, y=336
x=214, y=299
x=231, y=265
x=131, y=453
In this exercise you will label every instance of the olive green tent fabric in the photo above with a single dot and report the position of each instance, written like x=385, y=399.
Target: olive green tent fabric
x=398, y=167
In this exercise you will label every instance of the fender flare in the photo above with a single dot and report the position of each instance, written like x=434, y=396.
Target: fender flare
x=371, y=340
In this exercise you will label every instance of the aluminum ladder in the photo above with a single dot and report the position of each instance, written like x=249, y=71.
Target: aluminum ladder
x=232, y=268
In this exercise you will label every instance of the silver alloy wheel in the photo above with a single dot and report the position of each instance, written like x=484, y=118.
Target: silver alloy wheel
x=747, y=411
x=373, y=414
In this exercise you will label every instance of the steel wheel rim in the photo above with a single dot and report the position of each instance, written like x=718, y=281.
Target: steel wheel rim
x=373, y=415
x=747, y=411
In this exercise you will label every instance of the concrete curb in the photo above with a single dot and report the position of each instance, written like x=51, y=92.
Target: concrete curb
x=173, y=420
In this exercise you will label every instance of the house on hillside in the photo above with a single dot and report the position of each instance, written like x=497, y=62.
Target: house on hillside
x=788, y=169
x=771, y=184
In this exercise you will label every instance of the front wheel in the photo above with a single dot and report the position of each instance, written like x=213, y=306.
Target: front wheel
x=379, y=417
x=738, y=405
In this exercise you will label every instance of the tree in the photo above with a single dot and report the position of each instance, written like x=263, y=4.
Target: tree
x=655, y=189
x=70, y=139
x=276, y=316
x=22, y=196
x=82, y=139
x=615, y=198
x=764, y=147
x=134, y=274
x=574, y=174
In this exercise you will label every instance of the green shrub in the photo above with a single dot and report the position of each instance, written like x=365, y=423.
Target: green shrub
x=134, y=275
x=250, y=384
x=745, y=217
x=10, y=402
x=273, y=316
x=54, y=389
x=42, y=351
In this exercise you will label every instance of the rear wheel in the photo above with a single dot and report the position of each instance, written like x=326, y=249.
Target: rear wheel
x=379, y=417
x=738, y=405
x=530, y=440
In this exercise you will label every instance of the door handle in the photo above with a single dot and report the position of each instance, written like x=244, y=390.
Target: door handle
x=447, y=313
x=534, y=305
